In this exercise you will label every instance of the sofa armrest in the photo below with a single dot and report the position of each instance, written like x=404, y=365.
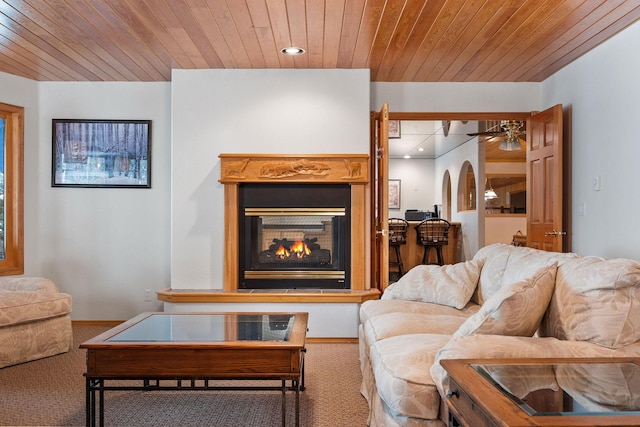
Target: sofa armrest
x=26, y=283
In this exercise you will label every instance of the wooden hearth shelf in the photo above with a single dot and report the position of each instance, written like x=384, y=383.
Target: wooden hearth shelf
x=272, y=296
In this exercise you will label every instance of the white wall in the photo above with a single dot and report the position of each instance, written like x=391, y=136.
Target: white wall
x=103, y=246
x=417, y=189
x=601, y=93
x=249, y=111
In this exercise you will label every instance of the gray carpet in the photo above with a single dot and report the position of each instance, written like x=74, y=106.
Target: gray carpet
x=51, y=392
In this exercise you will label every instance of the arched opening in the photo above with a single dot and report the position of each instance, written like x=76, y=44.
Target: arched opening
x=467, y=189
x=446, y=196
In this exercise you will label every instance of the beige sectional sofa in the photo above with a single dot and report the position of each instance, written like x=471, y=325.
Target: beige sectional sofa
x=506, y=302
x=35, y=320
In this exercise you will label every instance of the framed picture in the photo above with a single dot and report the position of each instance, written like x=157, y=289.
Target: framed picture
x=394, y=194
x=101, y=153
x=394, y=128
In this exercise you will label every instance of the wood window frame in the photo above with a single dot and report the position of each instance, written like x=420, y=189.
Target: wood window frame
x=13, y=262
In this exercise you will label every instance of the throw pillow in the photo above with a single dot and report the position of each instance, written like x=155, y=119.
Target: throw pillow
x=596, y=300
x=515, y=309
x=450, y=285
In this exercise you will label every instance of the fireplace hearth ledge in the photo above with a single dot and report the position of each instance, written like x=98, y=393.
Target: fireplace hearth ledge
x=269, y=296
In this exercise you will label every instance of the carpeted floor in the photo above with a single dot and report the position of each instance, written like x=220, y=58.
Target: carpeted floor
x=51, y=392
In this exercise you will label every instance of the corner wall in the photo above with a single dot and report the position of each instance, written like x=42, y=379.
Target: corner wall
x=600, y=93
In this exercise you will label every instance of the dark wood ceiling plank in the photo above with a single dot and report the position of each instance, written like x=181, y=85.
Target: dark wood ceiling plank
x=154, y=33
x=187, y=20
x=333, y=22
x=480, y=38
x=210, y=36
x=442, y=23
x=220, y=12
x=417, y=35
x=99, y=33
x=525, y=22
x=398, y=43
x=587, y=33
x=262, y=27
x=556, y=37
x=386, y=28
x=315, y=32
x=123, y=41
x=367, y=34
x=174, y=28
x=43, y=31
x=297, y=14
x=353, y=12
x=242, y=18
x=499, y=41
x=31, y=63
x=472, y=19
x=534, y=38
x=279, y=22
x=399, y=40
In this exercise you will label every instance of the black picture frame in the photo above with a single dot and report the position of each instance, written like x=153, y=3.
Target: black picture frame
x=101, y=153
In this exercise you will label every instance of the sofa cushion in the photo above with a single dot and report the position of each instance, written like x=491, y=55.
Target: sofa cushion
x=400, y=323
x=514, y=310
x=596, y=300
x=372, y=308
x=401, y=370
x=451, y=285
x=26, y=306
x=495, y=256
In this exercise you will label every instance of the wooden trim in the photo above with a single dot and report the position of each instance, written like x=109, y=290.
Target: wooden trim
x=459, y=116
x=14, y=190
x=231, y=257
x=108, y=323
x=329, y=168
x=358, y=237
x=220, y=296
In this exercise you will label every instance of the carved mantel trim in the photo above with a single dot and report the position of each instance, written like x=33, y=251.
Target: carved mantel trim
x=330, y=168
x=349, y=169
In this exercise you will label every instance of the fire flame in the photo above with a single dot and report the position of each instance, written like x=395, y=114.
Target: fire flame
x=298, y=249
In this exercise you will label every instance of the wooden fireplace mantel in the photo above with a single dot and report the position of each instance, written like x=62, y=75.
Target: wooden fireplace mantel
x=349, y=169
x=328, y=168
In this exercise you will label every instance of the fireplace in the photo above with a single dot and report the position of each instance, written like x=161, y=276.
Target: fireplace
x=294, y=236
x=289, y=200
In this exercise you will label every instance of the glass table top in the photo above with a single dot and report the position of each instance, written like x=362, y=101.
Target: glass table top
x=568, y=388
x=208, y=327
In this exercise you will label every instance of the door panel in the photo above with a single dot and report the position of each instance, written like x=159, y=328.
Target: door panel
x=380, y=197
x=545, y=180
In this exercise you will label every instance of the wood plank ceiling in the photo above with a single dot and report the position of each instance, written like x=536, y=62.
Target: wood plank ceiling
x=398, y=40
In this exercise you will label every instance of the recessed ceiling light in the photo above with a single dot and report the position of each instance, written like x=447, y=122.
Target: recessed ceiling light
x=406, y=156
x=293, y=51
x=421, y=149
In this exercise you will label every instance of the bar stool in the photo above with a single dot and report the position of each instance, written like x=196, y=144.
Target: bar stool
x=397, y=236
x=433, y=233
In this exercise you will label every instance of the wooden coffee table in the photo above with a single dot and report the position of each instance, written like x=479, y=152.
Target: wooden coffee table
x=189, y=351
x=543, y=392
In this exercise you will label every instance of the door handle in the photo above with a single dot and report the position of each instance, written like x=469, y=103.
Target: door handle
x=555, y=232
x=382, y=232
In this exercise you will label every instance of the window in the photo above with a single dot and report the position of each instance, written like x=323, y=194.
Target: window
x=11, y=189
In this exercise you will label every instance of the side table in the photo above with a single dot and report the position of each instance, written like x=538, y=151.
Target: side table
x=543, y=392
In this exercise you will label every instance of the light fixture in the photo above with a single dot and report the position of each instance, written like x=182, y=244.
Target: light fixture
x=489, y=193
x=511, y=142
x=292, y=51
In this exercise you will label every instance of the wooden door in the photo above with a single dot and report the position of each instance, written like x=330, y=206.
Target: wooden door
x=380, y=197
x=545, y=180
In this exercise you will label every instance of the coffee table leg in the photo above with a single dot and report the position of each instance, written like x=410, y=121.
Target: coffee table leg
x=284, y=403
x=297, y=389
